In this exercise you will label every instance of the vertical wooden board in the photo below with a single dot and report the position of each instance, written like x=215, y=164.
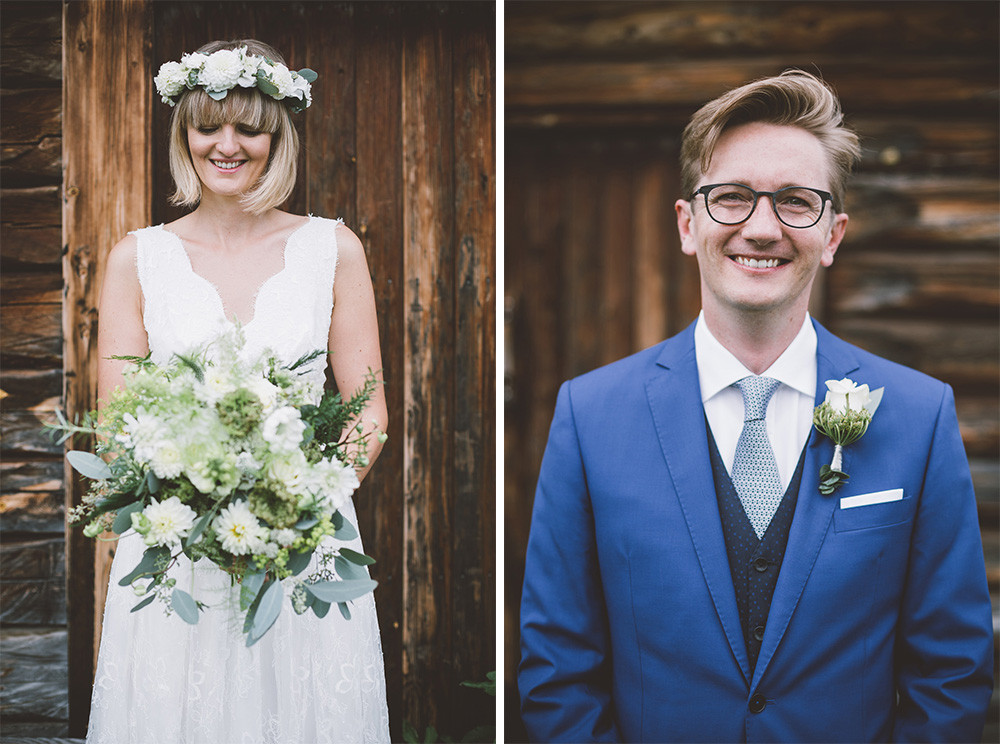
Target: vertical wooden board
x=330, y=151
x=614, y=262
x=379, y=224
x=651, y=212
x=581, y=262
x=105, y=115
x=473, y=504
x=429, y=296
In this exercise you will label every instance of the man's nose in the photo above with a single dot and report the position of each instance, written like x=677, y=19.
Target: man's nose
x=763, y=226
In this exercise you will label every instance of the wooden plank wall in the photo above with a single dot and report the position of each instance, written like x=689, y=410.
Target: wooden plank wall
x=33, y=679
x=596, y=96
x=399, y=142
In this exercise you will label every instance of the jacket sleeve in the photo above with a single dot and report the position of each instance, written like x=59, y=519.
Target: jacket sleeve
x=944, y=656
x=564, y=676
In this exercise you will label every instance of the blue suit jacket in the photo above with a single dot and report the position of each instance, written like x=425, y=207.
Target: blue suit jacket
x=880, y=627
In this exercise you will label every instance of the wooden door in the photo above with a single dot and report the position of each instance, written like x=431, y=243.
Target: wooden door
x=399, y=142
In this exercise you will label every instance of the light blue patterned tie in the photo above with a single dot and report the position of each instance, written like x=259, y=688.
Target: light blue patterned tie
x=755, y=472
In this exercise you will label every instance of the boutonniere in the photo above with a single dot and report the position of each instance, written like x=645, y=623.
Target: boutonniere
x=844, y=417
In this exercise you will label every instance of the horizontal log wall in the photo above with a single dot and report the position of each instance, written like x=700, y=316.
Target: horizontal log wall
x=596, y=96
x=33, y=681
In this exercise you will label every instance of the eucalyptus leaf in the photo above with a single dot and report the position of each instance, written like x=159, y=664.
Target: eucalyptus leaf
x=355, y=557
x=89, y=465
x=344, y=610
x=152, y=482
x=217, y=95
x=199, y=527
x=143, y=603
x=267, y=612
x=347, y=570
x=250, y=588
x=346, y=531
x=306, y=523
x=298, y=562
x=266, y=86
x=185, y=606
x=319, y=607
x=148, y=565
x=338, y=520
x=341, y=591
x=309, y=75
x=123, y=520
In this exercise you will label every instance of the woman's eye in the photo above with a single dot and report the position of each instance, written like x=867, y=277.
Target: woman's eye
x=206, y=129
x=249, y=132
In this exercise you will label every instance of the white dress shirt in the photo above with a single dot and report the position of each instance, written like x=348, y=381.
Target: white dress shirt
x=789, y=414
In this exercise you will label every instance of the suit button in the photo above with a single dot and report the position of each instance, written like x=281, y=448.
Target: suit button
x=758, y=633
x=757, y=703
x=761, y=564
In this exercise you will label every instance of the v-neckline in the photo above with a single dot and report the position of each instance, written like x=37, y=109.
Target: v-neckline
x=235, y=320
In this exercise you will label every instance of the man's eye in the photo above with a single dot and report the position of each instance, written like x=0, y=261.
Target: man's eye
x=732, y=197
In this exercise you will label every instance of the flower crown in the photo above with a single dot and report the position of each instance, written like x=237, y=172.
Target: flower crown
x=221, y=71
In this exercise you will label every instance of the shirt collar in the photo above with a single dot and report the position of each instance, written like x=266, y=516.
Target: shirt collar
x=718, y=368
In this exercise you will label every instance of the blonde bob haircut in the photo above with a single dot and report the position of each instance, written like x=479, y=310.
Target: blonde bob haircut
x=794, y=98
x=242, y=106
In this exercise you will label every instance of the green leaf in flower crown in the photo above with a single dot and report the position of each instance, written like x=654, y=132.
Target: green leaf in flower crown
x=308, y=74
x=152, y=561
x=298, y=562
x=355, y=557
x=123, y=520
x=217, y=95
x=89, y=465
x=264, y=85
x=320, y=608
x=185, y=606
x=344, y=610
x=341, y=591
x=143, y=603
x=250, y=588
x=267, y=612
x=347, y=570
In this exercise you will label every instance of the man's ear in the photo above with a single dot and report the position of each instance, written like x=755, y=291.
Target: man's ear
x=837, y=230
x=685, y=226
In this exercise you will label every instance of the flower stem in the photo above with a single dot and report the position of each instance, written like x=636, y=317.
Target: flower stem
x=838, y=457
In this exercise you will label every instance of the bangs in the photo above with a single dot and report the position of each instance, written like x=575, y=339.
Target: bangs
x=242, y=106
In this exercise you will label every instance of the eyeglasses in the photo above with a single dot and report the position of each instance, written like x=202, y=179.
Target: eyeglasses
x=733, y=203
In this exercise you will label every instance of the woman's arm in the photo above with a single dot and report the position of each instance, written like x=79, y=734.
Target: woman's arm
x=353, y=342
x=120, y=331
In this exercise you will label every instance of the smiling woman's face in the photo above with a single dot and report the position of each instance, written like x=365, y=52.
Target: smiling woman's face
x=228, y=158
x=761, y=264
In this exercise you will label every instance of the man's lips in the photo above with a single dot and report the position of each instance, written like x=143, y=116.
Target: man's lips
x=760, y=262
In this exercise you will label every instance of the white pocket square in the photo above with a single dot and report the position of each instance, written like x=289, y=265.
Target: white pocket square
x=867, y=499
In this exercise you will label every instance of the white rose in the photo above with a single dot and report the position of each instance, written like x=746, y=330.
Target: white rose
x=222, y=70
x=170, y=80
x=283, y=429
x=846, y=394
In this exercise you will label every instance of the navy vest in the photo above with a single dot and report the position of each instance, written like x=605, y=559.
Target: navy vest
x=753, y=562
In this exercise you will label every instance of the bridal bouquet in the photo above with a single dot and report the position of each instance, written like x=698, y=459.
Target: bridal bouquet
x=219, y=457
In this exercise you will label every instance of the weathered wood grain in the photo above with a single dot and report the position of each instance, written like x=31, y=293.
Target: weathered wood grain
x=428, y=374
x=30, y=248
x=33, y=586
x=740, y=29
x=30, y=50
x=34, y=288
x=37, y=511
x=379, y=224
x=33, y=680
x=33, y=207
x=31, y=337
x=31, y=115
x=34, y=390
x=27, y=165
x=106, y=111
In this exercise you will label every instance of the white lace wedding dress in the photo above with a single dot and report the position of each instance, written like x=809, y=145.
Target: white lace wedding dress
x=307, y=680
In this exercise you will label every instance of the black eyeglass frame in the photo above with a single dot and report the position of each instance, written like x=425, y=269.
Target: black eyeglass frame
x=824, y=195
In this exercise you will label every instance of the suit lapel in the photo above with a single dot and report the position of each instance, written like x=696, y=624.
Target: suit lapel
x=674, y=396
x=813, y=511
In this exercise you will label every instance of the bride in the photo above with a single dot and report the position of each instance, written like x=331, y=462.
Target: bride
x=293, y=284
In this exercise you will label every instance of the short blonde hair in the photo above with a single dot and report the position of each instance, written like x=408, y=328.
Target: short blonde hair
x=246, y=106
x=795, y=98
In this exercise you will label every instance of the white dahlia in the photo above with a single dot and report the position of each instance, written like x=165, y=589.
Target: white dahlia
x=222, y=70
x=238, y=529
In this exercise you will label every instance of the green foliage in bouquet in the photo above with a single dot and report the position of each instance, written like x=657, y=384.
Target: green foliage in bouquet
x=237, y=461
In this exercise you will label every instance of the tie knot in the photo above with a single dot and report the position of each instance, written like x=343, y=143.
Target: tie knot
x=757, y=392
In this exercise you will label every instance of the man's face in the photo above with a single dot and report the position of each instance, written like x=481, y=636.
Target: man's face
x=765, y=157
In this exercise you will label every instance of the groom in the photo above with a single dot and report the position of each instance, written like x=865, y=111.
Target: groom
x=686, y=579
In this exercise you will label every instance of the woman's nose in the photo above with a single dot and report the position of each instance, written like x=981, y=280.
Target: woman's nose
x=227, y=143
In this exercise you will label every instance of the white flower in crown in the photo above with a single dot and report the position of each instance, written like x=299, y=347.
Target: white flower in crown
x=171, y=80
x=844, y=417
x=222, y=70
